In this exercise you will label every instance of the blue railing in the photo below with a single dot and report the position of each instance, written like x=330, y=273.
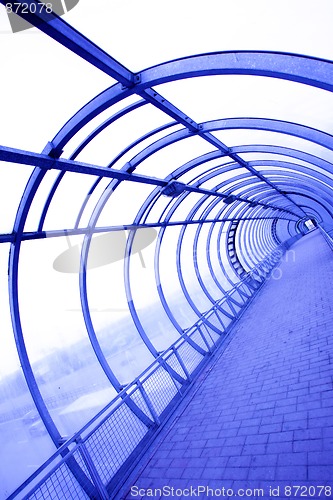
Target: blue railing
x=328, y=234
x=94, y=462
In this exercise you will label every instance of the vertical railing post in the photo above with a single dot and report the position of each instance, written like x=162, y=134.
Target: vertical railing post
x=167, y=368
x=182, y=364
x=204, y=338
x=103, y=494
x=148, y=402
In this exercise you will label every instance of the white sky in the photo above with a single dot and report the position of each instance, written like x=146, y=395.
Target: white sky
x=43, y=84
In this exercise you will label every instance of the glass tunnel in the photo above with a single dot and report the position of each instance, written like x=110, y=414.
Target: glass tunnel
x=142, y=210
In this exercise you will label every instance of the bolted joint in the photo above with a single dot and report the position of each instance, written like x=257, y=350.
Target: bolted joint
x=229, y=199
x=136, y=80
x=129, y=168
x=52, y=151
x=173, y=189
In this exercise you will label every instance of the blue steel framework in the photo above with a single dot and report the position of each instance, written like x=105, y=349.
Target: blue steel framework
x=253, y=212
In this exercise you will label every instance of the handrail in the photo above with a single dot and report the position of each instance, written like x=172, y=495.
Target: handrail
x=182, y=357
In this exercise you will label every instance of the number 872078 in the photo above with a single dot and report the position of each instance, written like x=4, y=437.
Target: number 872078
x=28, y=8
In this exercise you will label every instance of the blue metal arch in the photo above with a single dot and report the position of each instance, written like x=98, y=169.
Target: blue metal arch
x=76, y=119
x=286, y=66
x=305, y=70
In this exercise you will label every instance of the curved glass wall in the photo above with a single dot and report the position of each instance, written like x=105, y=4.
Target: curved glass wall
x=142, y=204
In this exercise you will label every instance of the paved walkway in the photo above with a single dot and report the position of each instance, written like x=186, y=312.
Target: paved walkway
x=261, y=416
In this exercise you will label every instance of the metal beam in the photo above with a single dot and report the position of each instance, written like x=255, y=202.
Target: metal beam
x=57, y=233
x=285, y=66
x=44, y=161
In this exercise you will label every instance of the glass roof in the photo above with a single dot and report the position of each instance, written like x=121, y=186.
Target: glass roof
x=141, y=37
x=135, y=191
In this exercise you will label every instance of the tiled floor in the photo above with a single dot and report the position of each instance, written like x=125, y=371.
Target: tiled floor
x=261, y=417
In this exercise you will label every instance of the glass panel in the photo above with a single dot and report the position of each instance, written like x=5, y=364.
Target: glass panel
x=122, y=133
x=42, y=92
x=25, y=444
x=215, y=207
x=121, y=343
x=282, y=230
x=206, y=276
x=174, y=296
x=161, y=204
x=218, y=271
x=322, y=208
x=169, y=159
x=252, y=97
x=274, y=157
x=124, y=204
x=188, y=270
x=225, y=178
x=248, y=137
x=68, y=200
x=92, y=125
x=305, y=30
x=64, y=364
x=185, y=207
x=146, y=300
x=13, y=181
x=310, y=173
x=91, y=198
x=198, y=171
x=206, y=208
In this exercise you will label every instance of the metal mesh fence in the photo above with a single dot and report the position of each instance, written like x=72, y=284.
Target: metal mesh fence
x=160, y=389
x=197, y=338
x=226, y=307
x=60, y=485
x=225, y=320
x=78, y=457
x=190, y=356
x=114, y=440
x=214, y=320
x=209, y=334
x=238, y=306
x=137, y=398
x=237, y=296
x=173, y=362
x=247, y=289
